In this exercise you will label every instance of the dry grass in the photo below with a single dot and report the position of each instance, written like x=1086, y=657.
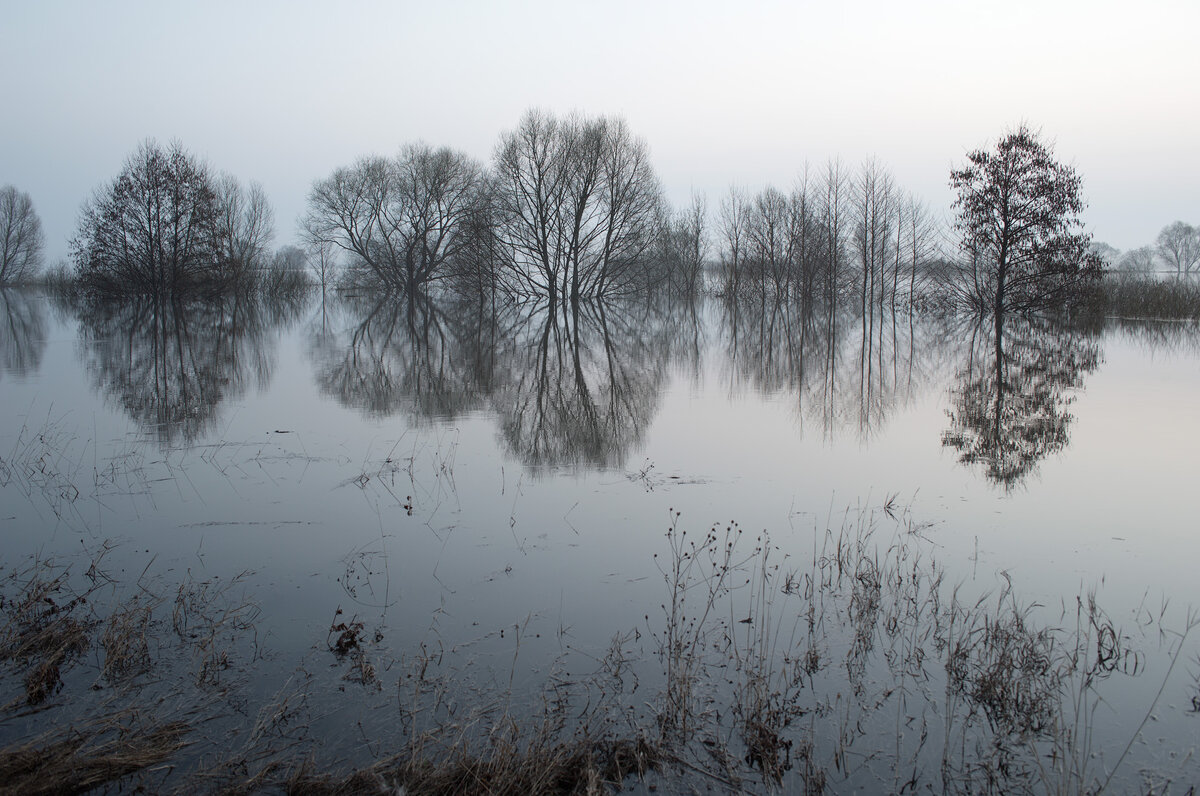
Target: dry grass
x=1007, y=668
x=855, y=670
x=510, y=766
x=46, y=628
x=128, y=701
x=210, y=617
x=126, y=639
x=82, y=758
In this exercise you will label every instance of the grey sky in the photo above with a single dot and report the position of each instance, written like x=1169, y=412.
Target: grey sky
x=746, y=93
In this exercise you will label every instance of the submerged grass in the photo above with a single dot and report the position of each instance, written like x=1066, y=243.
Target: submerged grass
x=45, y=628
x=857, y=668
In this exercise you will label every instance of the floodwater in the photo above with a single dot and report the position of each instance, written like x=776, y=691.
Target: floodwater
x=458, y=474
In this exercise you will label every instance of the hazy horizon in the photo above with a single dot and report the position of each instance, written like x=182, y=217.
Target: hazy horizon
x=284, y=93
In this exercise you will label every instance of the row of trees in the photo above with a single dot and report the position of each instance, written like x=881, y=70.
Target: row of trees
x=835, y=232
x=570, y=209
x=1020, y=242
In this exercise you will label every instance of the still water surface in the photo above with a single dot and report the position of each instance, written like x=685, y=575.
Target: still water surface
x=451, y=470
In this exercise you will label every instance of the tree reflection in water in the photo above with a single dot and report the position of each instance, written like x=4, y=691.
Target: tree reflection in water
x=571, y=384
x=171, y=363
x=577, y=385
x=845, y=370
x=403, y=353
x=23, y=333
x=587, y=382
x=1009, y=409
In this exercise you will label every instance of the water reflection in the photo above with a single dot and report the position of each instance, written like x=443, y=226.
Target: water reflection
x=1159, y=336
x=405, y=353
x=578, y=386
x=571, y=385
x=845, y=370
x=171, y=363
x=1009, y=406
x=586, y=382
x=23, y=334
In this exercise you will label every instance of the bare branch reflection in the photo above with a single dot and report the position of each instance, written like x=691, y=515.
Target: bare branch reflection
x=1157, y=337
x=23, y=334
x=171, y=363
x=408, y=352
x=587, y=382
x=845, y=370
x=573, y=384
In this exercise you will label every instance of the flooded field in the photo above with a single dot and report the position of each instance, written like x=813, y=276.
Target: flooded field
x=684, y=544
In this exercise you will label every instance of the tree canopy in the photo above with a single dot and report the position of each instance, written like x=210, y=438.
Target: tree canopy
x=578, y=205
x=1018, y=221
x=404, y=219
x=166, y=226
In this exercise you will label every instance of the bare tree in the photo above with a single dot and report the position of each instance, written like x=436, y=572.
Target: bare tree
x=402, y=220
x=1179, y=245
x=683, y=236
x=770, y=240
x=697, y=229
x=154, y=229
x=323, y=260
x=285, y=275
x=630, y=203
x=777, y=240
x=874, y=219
x=532, y=182
x=1139, y=259
x=920, y=245
x=577, y=205
x=246, y=225
x=21, y=236
x=806, y=235
x=290, y=258
x=731, y=225
x=834, y=201
x=1108, y=254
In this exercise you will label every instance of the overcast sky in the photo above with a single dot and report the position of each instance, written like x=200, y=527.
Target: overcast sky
x=730, y=92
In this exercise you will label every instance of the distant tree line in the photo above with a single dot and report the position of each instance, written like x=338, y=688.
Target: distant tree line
x=570, y=209
x=1177, y=248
